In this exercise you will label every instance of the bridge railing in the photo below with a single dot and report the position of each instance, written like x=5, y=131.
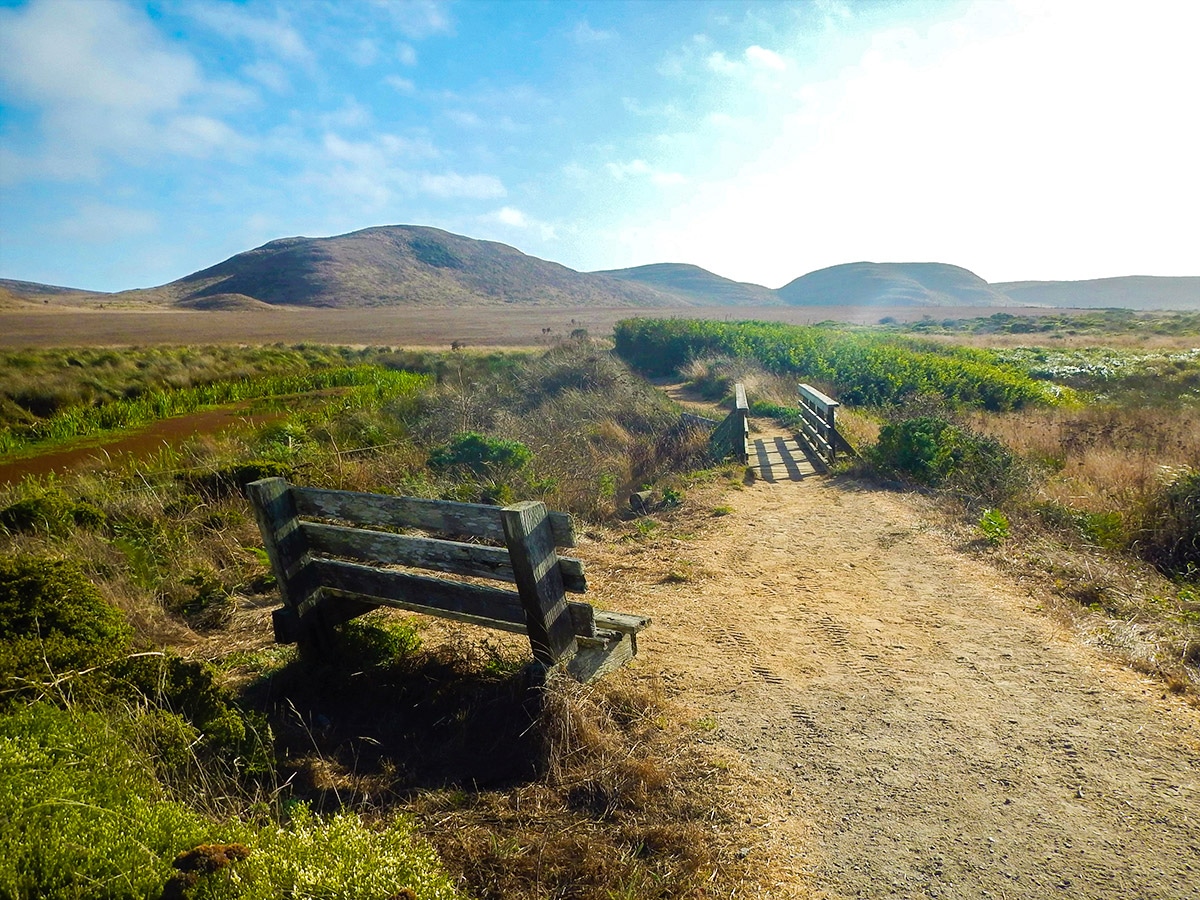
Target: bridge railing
x=818, y=423
x=732, y=436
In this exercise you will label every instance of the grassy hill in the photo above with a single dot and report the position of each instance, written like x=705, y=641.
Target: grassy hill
x=892, y=284
x=395, y=265
x=1130, y=292
x=17, y=294
x=697, y=285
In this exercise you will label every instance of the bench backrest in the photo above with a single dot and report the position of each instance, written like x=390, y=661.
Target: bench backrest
x=329, y=573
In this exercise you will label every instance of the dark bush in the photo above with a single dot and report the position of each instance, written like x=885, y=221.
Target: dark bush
x=192, y=690
x=53, y=620
x=230, y=480
x=935, y=452
x=1170, y=532
x=480, y=455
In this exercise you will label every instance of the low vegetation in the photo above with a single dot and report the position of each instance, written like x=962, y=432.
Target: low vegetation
x=866, y=368
x=153, y=747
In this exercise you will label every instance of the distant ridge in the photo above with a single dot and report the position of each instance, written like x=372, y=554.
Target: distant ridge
x=892, y=284
x=397, y=265
x=1129, y=292
x=417, y=266
x=699, y=285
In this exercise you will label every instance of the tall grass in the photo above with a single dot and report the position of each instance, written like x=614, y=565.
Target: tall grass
x=866, y=368
x=80, y=421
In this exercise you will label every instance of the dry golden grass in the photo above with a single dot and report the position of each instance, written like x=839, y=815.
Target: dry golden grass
x=1103, y=457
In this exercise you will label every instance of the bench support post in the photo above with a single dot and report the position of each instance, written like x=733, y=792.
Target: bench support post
x=530, y=543
x=297, y=620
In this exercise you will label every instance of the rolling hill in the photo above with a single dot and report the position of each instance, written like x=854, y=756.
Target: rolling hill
x=699, y=285
x=400, y=266
x=395, y=265
x=1130, y=292
x=892, y=284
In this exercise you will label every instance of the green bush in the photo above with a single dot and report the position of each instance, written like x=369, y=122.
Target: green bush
x=52, y=621
x=993, y=525
x=1170, y=532
x=868, y=369
x=480, y=455
x=933, y=451
x=52, y=513
x=192, y=690
x=82, y=815
x=339, y=857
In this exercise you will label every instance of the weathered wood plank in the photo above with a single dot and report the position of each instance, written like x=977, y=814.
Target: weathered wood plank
x=530, y=541
x=815, y=437
x=816, y=399
x=591, y=662
x=445, y=516
x=625, y=622
x=454, y=557
x=278, y=523
x=420, y=593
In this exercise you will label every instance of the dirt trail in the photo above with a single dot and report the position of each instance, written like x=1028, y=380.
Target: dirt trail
x=923, y=729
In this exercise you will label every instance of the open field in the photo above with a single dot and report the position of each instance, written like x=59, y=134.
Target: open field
x=60, y=327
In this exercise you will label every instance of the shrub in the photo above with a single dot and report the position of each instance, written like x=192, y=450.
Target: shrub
x=232, y=479
x=933, y=451
x=1170, y=532
x=993, y=525
x=480, y=455
x=53, y=620
x=192, y=690
x=867, y=369
x=82, y=815
x=52, y=513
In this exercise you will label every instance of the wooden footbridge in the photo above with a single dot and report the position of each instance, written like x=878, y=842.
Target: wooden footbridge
x=776, y=455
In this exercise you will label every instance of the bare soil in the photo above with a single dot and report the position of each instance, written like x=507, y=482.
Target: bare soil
x=912, y=722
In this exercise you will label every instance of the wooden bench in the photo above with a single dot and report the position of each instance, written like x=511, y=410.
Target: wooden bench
x=330, y=573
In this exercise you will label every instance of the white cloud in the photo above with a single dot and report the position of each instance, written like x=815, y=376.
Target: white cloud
x=452, y=184
x=351, y=114
x=365, y=52
x=464, y=118
x=514, y=218
x=269, y=74
x=762, y=58
x=406, y=54
x=584, y=33
x=639, y=168
x=1053, y=135
x=403, y=85
x=201, y=136
x=721, y=64
x=96, y=54
x=104, y=83
x=509, y=215
x=376, y=173
x=417, y=19
x=755, y=59
x=275, y=36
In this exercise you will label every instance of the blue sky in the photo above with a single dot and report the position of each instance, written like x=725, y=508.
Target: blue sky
x=1022, y=139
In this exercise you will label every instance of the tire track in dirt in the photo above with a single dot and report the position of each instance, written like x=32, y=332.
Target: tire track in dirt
x=926, y=726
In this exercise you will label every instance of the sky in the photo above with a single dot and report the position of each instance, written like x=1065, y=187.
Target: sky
x=1021, y=139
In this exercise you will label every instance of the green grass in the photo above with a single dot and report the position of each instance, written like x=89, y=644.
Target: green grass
x=372, y=382
x=865, y=368
x=83, y=815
